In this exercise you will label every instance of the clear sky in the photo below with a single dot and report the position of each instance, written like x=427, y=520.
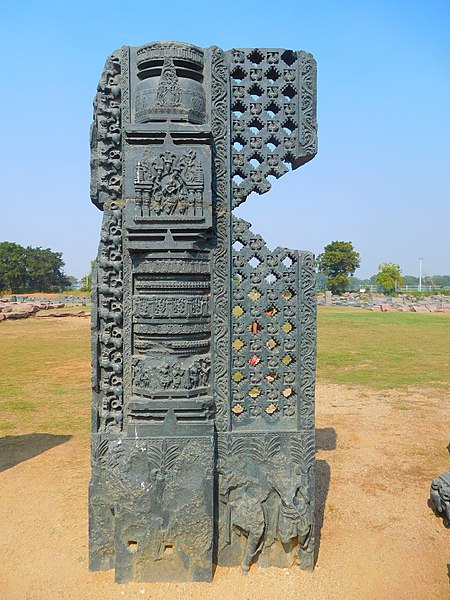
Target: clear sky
x=381, y=178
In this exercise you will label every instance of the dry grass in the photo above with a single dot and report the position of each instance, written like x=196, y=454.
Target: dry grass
x=378, y=450
x=45, y=375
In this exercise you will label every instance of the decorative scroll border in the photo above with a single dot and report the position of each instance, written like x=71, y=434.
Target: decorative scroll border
x=308, y=110
x=125, y=84
x=307, y=340
x=220, y=111
x=307, y=360
x=127, y=326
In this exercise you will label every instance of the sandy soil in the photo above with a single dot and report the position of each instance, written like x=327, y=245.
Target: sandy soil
x=377, y=453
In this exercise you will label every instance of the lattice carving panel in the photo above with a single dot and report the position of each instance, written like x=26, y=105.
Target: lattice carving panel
x=273, y=116
x=265, y=335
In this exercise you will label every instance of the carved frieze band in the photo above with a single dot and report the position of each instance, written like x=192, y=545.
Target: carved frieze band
x=161, y=307
x=172, y=265
x=171, y=374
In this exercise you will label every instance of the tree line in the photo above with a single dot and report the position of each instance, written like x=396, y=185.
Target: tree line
x=25, y=270
x=338, y=262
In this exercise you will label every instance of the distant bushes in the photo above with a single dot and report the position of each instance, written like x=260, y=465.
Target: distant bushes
x=24, y=270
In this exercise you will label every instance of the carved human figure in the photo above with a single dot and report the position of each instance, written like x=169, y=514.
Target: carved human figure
x=244, y=495
x=194, y=374
x=165, y=376
x=294, y=519
x=247, y=515
x=169, y=92
x=204, y=372
x=177, y=376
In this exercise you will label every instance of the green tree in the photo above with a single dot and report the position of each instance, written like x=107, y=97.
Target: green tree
x=13, y=268
x=321, y=282
x=86, y=280
x=337, y=261
x=24, y=270
x=72, y=282
x=45, y=270
x=442, y=280
x=410, y=280
x=389, y=277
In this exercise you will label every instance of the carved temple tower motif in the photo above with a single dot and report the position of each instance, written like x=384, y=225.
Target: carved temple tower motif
x=203, y=340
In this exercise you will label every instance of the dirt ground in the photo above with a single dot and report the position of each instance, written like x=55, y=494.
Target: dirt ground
x=378, y=539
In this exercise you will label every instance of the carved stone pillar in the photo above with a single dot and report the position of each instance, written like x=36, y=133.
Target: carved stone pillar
x=203, y=340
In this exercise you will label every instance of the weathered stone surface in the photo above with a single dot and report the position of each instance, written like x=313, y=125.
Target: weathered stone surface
x=203, y=340
x=419, y=308
x=440, y=495
x=377, y=301
x=24, y=310
x=16, y=314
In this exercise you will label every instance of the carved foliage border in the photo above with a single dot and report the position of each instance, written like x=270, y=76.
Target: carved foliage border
x=220, y=128
x=307, y=340
x=306, y=415
x=308, y=77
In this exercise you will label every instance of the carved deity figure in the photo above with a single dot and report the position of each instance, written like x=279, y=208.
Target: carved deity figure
x=169, y=93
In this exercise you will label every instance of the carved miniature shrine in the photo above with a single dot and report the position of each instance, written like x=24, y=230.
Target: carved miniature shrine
x=203, y=339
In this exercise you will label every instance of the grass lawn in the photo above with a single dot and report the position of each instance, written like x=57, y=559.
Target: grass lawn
x=45, y=363
x=383, y=350
x=45, y=375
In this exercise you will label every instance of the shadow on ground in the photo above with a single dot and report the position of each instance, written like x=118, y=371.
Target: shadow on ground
x=325, y=440
x=15, y=449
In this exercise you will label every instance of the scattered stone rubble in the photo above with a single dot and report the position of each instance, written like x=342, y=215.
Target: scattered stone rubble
x=22, y=307
x=381, y=303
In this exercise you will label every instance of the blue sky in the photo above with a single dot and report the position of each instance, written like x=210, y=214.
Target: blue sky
x=381, y=178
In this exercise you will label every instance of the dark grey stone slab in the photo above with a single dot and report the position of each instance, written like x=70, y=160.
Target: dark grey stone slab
x=440, y=495
x=203, y=340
